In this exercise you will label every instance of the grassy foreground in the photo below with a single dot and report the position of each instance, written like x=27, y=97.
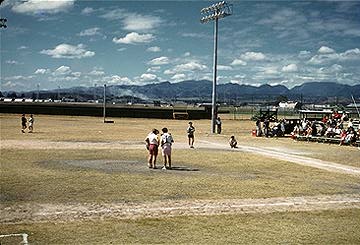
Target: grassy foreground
x=54, y=176
x=326, y=227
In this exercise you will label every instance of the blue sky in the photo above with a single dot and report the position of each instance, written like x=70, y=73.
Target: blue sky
x=82, y=43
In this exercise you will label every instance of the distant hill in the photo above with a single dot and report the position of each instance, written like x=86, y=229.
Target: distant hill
x=326, y=89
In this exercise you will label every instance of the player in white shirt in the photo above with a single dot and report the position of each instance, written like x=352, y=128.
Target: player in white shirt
x=152, y=144
x=166, y=142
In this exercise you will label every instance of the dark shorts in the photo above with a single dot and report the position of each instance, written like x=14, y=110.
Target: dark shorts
x=153, y=149
x=190, y=136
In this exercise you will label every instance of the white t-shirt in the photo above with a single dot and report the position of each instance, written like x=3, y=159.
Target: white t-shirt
x=166, y=138
x=153, y=138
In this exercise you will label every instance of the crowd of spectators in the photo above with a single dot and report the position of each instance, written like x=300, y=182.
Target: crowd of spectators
x=277, y=129
x=336, y=126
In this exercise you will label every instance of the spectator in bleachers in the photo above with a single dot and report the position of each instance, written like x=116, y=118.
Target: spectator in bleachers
x=313, y=129
x=258, y=128
x=343, y=136
x=266, y=127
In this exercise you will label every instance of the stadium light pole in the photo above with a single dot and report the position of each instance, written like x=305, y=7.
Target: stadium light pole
x=214, y=13
x=104, y=106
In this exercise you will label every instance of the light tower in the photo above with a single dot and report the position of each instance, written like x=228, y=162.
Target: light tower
x=214, y=13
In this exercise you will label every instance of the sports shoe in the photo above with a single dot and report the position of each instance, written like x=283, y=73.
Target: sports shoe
x=163, y=168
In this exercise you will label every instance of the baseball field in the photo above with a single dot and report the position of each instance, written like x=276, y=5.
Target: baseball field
x=77, y=180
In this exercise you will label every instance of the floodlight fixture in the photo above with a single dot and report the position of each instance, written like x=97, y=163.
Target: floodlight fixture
x=213, y=13
x=3, y=23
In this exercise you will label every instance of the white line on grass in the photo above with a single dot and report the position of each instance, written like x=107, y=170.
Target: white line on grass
x=24, y=237
x=307, y=161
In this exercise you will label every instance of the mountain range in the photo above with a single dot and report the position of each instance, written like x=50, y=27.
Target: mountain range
x=201, y=90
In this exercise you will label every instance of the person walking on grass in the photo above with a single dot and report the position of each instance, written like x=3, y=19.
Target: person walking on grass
x=166, y=142
x=152, y=144
x=23, y=123
x=190, y=133
x=31, y=123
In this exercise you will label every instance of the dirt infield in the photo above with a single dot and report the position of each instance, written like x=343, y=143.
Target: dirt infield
x=35, y=213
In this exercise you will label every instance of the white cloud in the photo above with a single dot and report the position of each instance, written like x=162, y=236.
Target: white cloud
x=62, y=70
x=76, y=74
x=134, y=21
x=353, y=32
x=159, y=61
x=90, y=32
x=134, y=38
x=42, y=7
x=271, y=71
x=138, y=22
x=154, y=49
x=253, y=56
x=87, y=11
x=41, y=71
x=304, y=54
x=187, y=67
x=224, y=68
x=238, y=62
x=12, y=62
x=115, y=79
x=97, y=72
x=10, y=84
x=115, y=14
x=332, y=69
x=68, y=51
x=325, y=50
x=187, y=54
x=22, y=47
x=148, y=77
x=19, y=77
x=179, y=77
x=351, y=54
x=153, y=69
x=290, y=68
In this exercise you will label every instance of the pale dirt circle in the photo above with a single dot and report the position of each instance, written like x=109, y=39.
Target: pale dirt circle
x=281, y=153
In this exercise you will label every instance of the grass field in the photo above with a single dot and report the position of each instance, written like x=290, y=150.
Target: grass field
x=71, y=162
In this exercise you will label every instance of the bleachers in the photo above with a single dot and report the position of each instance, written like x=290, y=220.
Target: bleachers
x=320, y=139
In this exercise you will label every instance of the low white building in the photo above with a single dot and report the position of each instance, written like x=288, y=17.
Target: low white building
x=289, y=105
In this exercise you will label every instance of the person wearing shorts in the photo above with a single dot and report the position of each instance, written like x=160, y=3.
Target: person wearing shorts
x=190, y=133
x=166, y=142
x=23, y=123
x=31, y=123
x=152, y=144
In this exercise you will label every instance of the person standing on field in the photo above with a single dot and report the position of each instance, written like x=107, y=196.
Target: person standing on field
x=152, y=144
x=31, y=123
x=190, y=133
x=23, y=123
x=166, y=142
x=218, y=125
